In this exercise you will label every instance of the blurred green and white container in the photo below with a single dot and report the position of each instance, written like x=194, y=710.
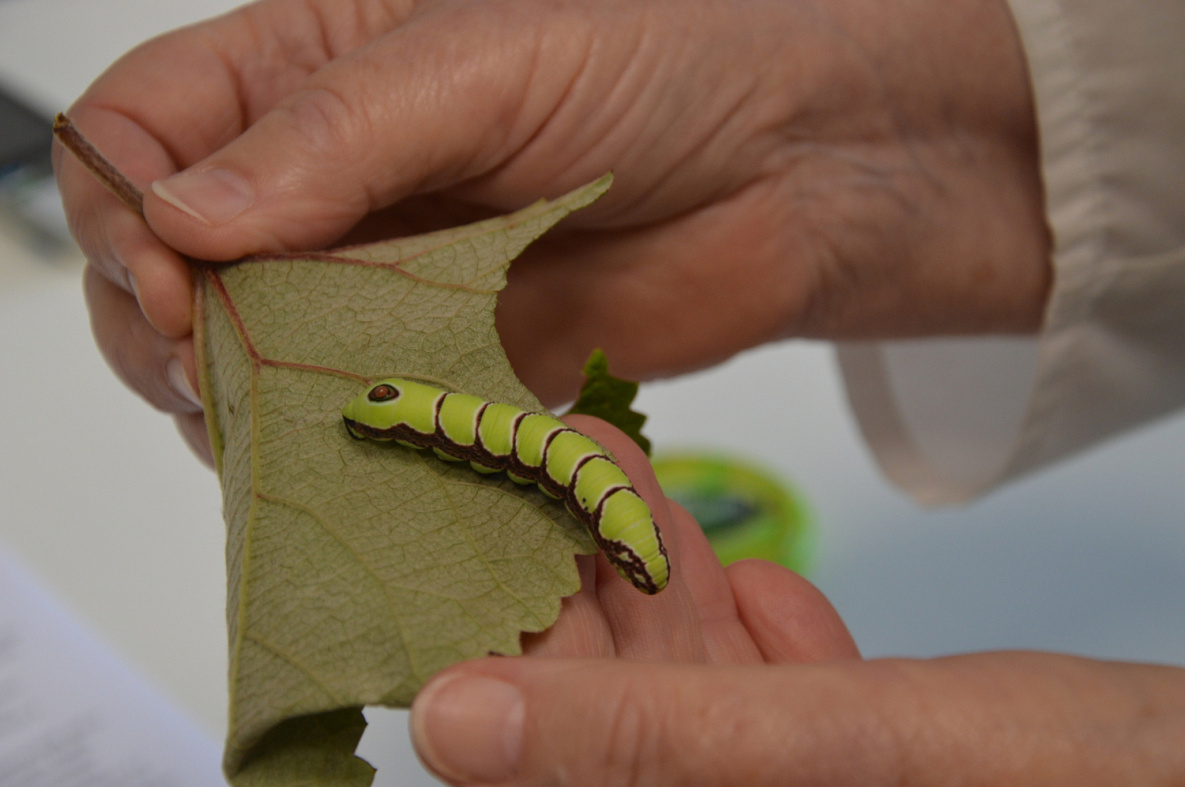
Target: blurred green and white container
x=746, y=510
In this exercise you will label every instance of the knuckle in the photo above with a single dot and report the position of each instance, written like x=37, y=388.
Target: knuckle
x=660, y=733
x=635, y=742
x=325, y=121
x=324, y=130
x=130, y=345
x=115, y=243
x=95, y=239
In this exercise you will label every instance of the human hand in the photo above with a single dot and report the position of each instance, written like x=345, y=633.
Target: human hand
x=747, y=676
x=829, y=168
x=753, y=612
x=1024, y=719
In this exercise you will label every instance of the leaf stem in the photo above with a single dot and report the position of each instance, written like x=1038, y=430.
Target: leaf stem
x=90, y=157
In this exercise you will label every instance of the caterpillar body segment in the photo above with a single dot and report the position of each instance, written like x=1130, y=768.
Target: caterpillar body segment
x=531, y=448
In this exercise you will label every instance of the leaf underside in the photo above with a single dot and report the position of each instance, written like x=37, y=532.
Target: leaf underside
x=357, y=570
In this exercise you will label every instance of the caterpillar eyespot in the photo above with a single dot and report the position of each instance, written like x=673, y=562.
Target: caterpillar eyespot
x=382, y=393
x=531, y=448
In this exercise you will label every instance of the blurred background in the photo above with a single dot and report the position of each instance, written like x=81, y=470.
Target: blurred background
x=112, y=518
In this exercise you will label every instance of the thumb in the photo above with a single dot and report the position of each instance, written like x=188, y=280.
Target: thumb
x=540, y=721
x=426, y=106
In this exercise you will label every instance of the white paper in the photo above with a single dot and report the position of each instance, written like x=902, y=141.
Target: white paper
x=73, y=715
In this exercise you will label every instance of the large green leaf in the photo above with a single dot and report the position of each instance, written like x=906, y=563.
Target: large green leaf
x=357, y=569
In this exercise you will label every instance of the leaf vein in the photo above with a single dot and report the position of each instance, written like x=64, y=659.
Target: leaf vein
x=284, y=655
x=469, y=537
x=335, y=535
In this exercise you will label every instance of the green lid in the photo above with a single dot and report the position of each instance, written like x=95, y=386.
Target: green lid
x=746, y=511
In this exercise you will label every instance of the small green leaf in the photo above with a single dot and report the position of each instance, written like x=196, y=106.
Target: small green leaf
x=609, y=398
x=357, y=570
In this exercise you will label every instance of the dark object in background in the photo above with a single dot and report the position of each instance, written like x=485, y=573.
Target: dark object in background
x=28, y=196
x=25, y=136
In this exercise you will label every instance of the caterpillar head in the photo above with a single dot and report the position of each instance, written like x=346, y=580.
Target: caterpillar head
x=373, y=409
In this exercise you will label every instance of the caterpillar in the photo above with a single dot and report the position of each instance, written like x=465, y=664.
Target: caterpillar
x=530, y=448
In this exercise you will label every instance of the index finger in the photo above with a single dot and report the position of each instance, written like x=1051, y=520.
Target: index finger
x=138, y=117
x=115, y=239
x=695, y=618
x=173, y=101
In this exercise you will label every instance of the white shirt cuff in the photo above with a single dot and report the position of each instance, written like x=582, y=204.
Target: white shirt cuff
x=949, y=419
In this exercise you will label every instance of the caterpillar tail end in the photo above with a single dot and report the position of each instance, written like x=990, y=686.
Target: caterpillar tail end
x=649, y=576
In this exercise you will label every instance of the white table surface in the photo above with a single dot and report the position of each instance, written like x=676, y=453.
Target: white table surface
x=101, y=499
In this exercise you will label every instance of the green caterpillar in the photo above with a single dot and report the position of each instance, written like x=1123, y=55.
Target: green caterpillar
x=530, y=448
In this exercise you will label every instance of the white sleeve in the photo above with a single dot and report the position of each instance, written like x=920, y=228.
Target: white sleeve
x=949, y=419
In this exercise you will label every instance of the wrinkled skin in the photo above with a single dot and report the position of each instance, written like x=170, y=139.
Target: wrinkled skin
x=783, y=169
x=748, y=676
x=822, y=168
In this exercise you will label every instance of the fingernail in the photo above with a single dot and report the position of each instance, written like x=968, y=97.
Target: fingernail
x=135, y=287
x=213, y=196
x=469, y=728
x=180, y=381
